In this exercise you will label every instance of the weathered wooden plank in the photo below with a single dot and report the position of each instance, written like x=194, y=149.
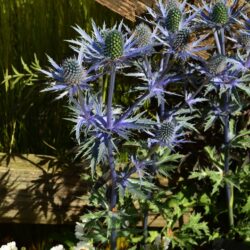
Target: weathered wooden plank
x=38, y=189
x=132, y=8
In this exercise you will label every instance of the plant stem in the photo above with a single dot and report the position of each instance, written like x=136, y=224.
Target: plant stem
x=145, y=220
x=113, y=195
x=132, y=107
x=222, y=36
x=111, y=157
x=217, y=41
x=110, y=96
x=229, y=187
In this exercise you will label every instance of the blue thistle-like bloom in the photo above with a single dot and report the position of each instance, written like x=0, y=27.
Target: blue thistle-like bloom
x=219, y=14
x=180, y=45
x=242, y=40
x=92, y=130
x=106, y=46
x=226, y=73
x=172, y=15
x=217, y=65
x=68, y=78
x=73, y=72
x=168, y=133
x=143, y=35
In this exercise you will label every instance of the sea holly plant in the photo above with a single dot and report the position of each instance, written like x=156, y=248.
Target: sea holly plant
x=176, y=76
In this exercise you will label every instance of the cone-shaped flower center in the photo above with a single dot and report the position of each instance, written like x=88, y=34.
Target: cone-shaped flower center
x=73, y=72
x=114, y=44
x=173, y=19
x=220, y=13
x=181, y=39
x=217, y=64
x=143, y=35
x=166, y=132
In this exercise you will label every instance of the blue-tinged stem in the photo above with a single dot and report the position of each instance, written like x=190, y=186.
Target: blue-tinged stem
x=110, y=95
x=229, y=187
x=222, y=36
x=164, y=68
x=137, y=103
x=111, y=157
x=217, y=40
x=113, y=195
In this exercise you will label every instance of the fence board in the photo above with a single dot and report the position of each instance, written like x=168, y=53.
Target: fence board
x=39, y=189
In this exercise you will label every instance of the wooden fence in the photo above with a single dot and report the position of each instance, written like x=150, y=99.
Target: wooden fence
x=39, y=189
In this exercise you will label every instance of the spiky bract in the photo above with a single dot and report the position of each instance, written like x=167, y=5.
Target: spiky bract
x=143, y=35
x=173, y=19
x=72, y=71
x=114, y=44
x=219, y=13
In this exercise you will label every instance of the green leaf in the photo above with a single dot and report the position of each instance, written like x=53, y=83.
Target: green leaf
x=210, y=122
x=246, y=207
x=152, y=236
x=245, y=88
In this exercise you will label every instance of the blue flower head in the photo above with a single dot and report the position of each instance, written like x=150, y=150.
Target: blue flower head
x=67, y=78
x=172, y=15
x=143, y=35
x=219, y=14
x=225, y=73
x=106, y=46
x=241, y=41
x=169, y=133
x=181, y=45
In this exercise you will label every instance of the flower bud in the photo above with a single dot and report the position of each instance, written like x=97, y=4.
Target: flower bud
x=181, y=39
x=166, y=132
x=73, y=72
x=143, y=35
x=173, y=19
x=217, y=64
x=220, y=13
x=114, y=44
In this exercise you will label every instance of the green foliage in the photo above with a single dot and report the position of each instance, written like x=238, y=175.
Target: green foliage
x=17, y=92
